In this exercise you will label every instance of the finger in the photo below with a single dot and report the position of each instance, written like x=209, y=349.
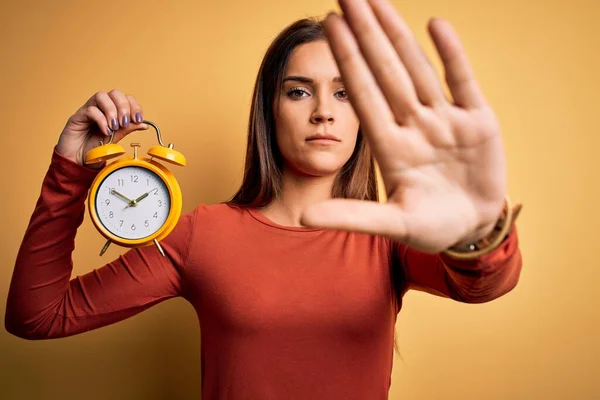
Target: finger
x=418, y=66
x=107, y=106
x=93, y=113
x=122, y=104
x=365, y=96
x=369, y=217
x=121, y=133
x=459, y=74
x=382, y=59
x=137, y=114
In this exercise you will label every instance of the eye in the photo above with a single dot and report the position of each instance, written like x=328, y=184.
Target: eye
x=296, y=93
x=342, y=94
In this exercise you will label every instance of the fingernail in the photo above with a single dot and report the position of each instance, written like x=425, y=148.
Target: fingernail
x=109, y=131
x=125, y=121
x=114, y=124
x=138, y=117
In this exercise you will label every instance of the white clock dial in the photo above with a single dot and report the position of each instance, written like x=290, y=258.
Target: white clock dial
x=117, y=211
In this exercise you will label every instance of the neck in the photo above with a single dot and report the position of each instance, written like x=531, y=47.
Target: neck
x=299, y=192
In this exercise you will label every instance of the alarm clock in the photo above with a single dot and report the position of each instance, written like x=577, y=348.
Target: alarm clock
x=135, y=201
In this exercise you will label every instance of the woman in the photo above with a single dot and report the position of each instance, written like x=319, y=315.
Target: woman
x=298, y=279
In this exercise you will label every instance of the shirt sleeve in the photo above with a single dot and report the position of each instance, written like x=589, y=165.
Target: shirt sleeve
x=45, y=303
x=470, y=281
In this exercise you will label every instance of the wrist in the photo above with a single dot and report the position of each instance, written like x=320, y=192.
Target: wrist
x=73, y=160
x=491, y=239
x=78, y=159
x=487, y=232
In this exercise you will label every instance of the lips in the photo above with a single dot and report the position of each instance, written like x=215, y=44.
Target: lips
x=322, y=136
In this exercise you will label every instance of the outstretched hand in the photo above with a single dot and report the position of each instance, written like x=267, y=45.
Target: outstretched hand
x=442, y=160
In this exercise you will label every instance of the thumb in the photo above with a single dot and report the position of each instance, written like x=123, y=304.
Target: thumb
x=368, y=217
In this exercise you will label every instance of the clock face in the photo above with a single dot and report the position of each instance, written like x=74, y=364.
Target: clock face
x=132, y=202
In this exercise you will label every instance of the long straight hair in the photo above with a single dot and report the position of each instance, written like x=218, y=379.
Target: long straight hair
x=263, y=176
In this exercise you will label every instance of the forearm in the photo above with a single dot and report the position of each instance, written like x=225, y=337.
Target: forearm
x=44, y=302
x=43, y=265
x=476, y=280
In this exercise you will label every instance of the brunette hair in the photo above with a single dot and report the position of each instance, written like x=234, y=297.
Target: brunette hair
x=262, y=180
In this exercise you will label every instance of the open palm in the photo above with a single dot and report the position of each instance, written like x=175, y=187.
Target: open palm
x=442, y=161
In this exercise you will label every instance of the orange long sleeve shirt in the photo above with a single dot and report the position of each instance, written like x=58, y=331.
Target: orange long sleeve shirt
x=285, y=312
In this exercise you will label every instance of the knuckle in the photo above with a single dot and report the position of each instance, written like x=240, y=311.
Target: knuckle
x=411, y=109
x=90, y=112
x=388, y=67
x=133, y=102
x=349, y=58
x=362, y=28
x=400, y=37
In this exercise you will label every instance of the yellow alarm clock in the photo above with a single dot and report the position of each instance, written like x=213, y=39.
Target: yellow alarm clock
x=135, y=202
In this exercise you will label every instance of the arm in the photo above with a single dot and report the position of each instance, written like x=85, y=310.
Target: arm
x=44, y=302
x=471, y=281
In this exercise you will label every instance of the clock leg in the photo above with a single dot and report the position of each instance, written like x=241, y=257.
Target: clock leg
x=159, y=247
x=108, y=242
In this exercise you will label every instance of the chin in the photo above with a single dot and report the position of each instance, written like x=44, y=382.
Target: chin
x=319, y=167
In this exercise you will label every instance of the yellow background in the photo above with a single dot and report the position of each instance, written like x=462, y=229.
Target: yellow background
x=192, y=66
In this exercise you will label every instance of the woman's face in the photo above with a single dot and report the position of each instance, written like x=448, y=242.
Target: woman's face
x=313, y=104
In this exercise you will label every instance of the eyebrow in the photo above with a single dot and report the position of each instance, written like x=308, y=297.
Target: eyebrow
x=304, y=79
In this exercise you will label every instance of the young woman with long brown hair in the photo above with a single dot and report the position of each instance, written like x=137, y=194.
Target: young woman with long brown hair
x=298, y=278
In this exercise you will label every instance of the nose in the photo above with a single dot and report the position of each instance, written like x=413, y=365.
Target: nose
x=322, y=113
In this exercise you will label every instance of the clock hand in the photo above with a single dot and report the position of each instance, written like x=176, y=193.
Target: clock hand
x=113, y=191
x=133, y=203
x=142, y=197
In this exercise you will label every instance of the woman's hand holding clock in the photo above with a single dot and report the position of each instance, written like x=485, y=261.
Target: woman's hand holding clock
x=101, y=115
x=116, y=115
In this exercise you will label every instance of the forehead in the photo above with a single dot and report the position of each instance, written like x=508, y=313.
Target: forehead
x=313, y=60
